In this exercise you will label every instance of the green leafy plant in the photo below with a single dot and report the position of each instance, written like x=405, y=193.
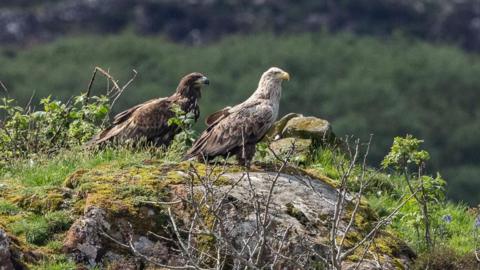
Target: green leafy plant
x=407, y=158
x=25, y=133
x=184, y=122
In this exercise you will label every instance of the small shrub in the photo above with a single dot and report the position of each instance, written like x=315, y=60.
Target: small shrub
x=25, y=133
x=409, y=160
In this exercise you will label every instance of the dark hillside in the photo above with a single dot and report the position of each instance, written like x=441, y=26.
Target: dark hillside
x=202, y=21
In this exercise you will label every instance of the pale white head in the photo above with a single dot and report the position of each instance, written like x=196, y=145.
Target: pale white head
x=270, y=84
x=275, y=74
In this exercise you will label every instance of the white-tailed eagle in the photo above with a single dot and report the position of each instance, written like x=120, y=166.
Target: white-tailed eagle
x=236, y=130
x=149, y=121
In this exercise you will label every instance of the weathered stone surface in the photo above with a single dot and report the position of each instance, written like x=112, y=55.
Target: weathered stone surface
x=306, y=132
x=301, y=148
x=276, y=130
x=308, y=128
x=5, y=255
x=299, y=202
x=84, y=241
x=295, y=125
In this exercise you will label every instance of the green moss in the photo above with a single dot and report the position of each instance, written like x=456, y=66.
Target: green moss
x=206, y=242
x=38, y=199
x=58, y=221
x=72, y=181
x=296, y=213
x=398, y=264
x=384, y=244
x=8, y=208
x=354, y=257
x=38, y=229
x=54, y=246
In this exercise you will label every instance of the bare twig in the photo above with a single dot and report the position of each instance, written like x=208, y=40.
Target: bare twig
x=4, y=87
x=89, y=88
x=160, y=203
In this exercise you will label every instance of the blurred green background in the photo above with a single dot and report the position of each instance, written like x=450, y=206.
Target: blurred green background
x=370, y=67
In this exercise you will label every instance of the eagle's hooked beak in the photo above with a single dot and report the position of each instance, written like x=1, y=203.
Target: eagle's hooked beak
x=203, y=80
x=285, y=76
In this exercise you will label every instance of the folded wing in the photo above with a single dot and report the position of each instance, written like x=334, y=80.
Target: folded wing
x=232, y=130
x=148, y=120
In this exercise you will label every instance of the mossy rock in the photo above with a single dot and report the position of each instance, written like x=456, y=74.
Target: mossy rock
x=278, y=126
x=302, y=148
x=313, y=128
x=109, y=200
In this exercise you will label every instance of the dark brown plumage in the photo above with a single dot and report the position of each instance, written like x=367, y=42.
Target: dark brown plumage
x=236, y=130
x=149, y=121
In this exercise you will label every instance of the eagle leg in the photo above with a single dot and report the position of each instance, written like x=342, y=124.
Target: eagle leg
x=245, y=155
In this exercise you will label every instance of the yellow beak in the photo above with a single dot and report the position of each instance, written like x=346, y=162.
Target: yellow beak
x=285, y=76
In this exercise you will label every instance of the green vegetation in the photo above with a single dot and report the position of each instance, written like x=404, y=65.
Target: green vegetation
x=362, y=85
x=25, y=133
x=405, y=156
x=55, y=263
x=453, y=230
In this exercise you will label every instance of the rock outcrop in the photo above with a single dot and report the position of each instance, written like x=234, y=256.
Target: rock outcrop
x=12, y=255
x=5, y=254
x=158, y=213
x=303, y=133
x=301, y=202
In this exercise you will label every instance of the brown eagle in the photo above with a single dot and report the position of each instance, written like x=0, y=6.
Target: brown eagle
x=149, y=121
x=236, y=130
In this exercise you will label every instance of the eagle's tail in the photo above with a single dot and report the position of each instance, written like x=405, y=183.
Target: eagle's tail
x=104, y=136
x=197, y=148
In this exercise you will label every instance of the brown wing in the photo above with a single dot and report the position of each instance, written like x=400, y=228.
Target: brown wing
x=244, y=126
x=212, y=118
x=148, y=120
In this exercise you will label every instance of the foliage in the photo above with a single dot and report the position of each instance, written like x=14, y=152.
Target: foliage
x=404, y=152
x=184, y=121
x=25, y=133
x=453, y=225
x=7, y=208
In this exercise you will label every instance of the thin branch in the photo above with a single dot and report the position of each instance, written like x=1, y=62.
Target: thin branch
x=4, y=88
x=160, y=203
x=90, y=84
